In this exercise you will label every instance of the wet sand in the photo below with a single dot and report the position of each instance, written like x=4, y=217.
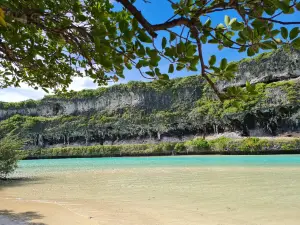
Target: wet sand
x=156, y=196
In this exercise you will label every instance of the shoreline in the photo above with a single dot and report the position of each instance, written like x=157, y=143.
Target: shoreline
x=269, y=152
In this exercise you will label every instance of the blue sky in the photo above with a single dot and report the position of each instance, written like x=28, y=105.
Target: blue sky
x=157, y=11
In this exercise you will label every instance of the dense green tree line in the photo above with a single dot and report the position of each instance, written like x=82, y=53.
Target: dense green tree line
x=221, y=145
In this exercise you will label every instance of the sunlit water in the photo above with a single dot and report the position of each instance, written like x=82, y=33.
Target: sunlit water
x=217, y=190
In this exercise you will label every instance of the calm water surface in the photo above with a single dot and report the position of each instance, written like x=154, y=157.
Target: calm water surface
x=213, y=190
x=150, y=162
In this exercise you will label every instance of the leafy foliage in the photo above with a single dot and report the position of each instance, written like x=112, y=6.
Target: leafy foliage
x=220, y=145
x=46, y=43
x=8, y=155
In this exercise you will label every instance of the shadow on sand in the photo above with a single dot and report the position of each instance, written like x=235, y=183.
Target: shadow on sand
x=19, y=181
x=22, y=218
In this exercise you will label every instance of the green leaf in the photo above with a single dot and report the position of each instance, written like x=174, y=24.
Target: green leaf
x=97, y=44
x=250, y=51
x=274, y=33
x=232, y=67
x=227, y=20
x=139, y=64
x=82, y=18
x=164, y=77
x=150, y=73
x=284, y=32
x=237, y=26
x=135, y=24
x=107, y=63
x=282, y=5
x=270, y=10
x=220, y=26
x=233, y=20
x=228, y=75
x=296, y=43
x=216, y=69
x=220, y=47
x=291, y=11
x=123, y=26
x=248, y=85
x=242, y=49
x=144, y=37
x=164, y=42
x=172, y=37
x=294, y=33
x=258, y=23
x=203, y=39
x=179, y=67
x=213, y=41
x=298, y=6
x=157, y=71
x=268, y=45
x=207, y=23
x=171, y=68
x=223, y=64
x=212, y=60
x=128, y=66
x=250, y=88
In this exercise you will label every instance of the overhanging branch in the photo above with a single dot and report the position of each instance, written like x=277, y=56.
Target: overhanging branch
x=138, y=15
x=149, y=27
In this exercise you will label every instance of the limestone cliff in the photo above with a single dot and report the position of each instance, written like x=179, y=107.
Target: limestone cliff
x=149, y=112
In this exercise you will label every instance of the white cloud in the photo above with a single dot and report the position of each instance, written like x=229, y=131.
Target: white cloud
x=80, y=83
x=19, y=94
x=25, y=92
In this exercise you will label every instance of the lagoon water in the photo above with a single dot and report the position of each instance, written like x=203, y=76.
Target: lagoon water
x=212, y=190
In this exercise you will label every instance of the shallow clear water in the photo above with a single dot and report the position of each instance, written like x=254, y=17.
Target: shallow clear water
x=211, y=190
x=169, y=161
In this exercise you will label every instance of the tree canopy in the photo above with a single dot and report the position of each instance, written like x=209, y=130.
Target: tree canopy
x=45, y=43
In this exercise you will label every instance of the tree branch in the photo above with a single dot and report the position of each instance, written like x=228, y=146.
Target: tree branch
x=172, y=23
x=138, y=15
x=278, y=21
x=149, y=27
x=203, y=72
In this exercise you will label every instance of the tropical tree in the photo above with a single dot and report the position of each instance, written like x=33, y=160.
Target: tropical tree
x=45, y=43
x=8, y=155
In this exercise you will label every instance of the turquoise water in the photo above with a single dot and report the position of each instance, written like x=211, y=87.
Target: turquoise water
x=193, y=190
x=170, y=161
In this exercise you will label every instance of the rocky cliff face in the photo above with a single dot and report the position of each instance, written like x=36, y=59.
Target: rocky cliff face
x=282, y=64
x=150, y=112
x=144, y=96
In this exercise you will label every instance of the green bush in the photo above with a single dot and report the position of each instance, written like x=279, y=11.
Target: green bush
x=8, y=156
x=180, y=148
x=253, y=144
x=197, y=145
x=220, y=144
x=287, y=144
